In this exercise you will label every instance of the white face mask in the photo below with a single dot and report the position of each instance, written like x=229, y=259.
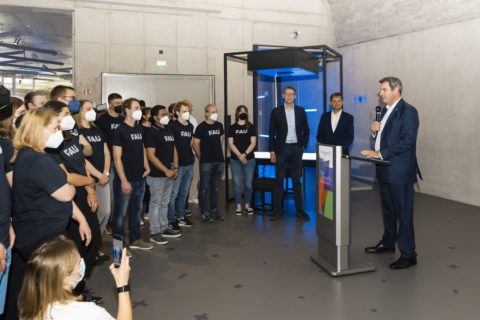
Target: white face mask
x=214, y=116
x=90, y=115
x=82, y=274
x=186, y=116
x=164, y=120
x=55, y=140
x=137, y=115
x=67, y=123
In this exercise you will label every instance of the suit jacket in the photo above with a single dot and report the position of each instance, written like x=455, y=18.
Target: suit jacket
x=343, y=135
x=279, y=128
x=399, y=145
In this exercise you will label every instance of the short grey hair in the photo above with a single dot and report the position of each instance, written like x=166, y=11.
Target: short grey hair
x=393, y=82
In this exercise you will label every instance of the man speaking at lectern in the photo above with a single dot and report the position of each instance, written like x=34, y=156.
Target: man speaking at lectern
x=395, y=141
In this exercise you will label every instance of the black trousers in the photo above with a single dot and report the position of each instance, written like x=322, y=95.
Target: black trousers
x=88, y=253
x=290, y=155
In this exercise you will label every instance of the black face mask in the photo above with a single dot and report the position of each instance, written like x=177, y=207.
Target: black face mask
x=118, y=109
x=243, y=116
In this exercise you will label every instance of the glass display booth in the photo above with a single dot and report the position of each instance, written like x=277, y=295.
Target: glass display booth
x=314, y=71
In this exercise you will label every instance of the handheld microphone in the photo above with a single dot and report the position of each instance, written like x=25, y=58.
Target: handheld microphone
x=378, y=110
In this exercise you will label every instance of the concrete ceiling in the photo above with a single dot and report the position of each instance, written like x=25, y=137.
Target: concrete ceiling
x=24, y=30
x=359, y=21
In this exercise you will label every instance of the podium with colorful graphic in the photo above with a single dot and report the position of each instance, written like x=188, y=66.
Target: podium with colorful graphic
x=333, y=213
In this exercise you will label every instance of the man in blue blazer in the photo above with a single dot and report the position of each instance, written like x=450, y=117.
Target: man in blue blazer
x=395, y=140
x=288, y=136
x=336, y=127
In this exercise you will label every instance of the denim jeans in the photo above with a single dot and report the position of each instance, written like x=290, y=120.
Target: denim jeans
x=160, y=191
x=4, y=280
x=210, y=174
x=242, y=173
x=135, y=199
x=178, y=199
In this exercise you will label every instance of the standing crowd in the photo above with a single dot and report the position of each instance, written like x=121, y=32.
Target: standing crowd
x=69, y=174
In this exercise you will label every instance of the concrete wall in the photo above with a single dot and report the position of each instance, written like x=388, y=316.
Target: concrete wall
x=194, y=35
x=440, y=70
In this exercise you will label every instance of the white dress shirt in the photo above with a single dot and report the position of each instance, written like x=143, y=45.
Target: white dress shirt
x=335, y=118
x=382, y=124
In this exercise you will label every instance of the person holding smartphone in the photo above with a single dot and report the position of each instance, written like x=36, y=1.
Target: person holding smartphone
x=52, y=271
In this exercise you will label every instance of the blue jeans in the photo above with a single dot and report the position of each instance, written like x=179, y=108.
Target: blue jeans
x=4, y=280
x=178, y=199
x=242, y=173
x=160, y=191
x=210, y=174
x=135, y=199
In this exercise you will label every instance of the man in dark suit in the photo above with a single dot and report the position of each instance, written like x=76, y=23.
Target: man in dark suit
x=289, y=133
x=336, y=127
x=395, y=140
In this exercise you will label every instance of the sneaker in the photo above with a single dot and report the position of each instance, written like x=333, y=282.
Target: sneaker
x=169, y=233
x=174, y=226
x=145, y=217
x=185, y=222
x=219, y=218
x=87, y=297
x=207, y=218
x=216, y=215
x=238, y=212
x=108, y=230
x=249, y=211
x=141, y=245
x=142, y=223
x=188, y=213
x=158, y=239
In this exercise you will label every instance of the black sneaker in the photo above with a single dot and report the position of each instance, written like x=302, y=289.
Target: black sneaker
x=185, y=222
x=188, y=213
x=87, y=297
x=169, y=233
x=207, y=218
x=158, y=239
x=174, y=226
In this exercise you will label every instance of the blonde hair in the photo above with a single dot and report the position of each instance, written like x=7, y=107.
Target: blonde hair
x=46, y=271
x=30, y=134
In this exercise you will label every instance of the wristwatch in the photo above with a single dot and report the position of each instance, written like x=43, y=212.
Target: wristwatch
x=125, y=288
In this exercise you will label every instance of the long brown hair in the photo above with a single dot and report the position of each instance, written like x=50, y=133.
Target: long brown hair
x=30, y=134
x=6, y=125
x=78, y=117
x=47, y=269
x=237, y=113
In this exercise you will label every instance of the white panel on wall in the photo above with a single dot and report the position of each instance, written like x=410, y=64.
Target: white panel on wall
x=126, y=28
x=191, y=31
x=91, y=25
x=192, y=60
x=152, y=55
x=160, y=30
x=223, y=33
x=126, y=58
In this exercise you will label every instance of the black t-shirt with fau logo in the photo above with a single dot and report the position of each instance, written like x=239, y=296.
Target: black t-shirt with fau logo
x=131, y=141
x=241, y=138
x=8, y=150
x=210, y=142
x=163, y=141
x=183, y=138
x=97, y=140
x=38, y=215
x=70, y=153
x=109, y=124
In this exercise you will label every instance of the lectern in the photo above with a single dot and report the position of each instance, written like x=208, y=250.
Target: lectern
x=333, y=213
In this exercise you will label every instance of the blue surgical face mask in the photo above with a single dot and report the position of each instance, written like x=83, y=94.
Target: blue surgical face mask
x=74, y=106
x=82, y=274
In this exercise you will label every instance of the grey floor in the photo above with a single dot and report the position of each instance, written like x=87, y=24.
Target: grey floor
x=252, y=268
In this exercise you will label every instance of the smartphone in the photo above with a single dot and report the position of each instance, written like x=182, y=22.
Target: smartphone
x=117, y=250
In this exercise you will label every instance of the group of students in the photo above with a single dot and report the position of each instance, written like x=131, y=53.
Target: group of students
x=68, y=174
